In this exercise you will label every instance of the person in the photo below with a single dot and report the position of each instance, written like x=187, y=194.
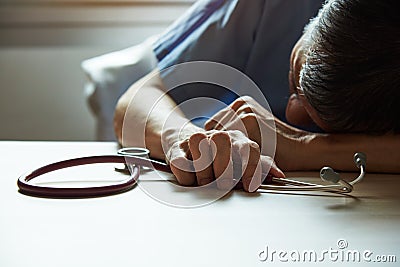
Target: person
x=343, y=78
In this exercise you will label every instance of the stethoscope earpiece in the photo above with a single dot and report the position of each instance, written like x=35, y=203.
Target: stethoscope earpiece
x=327, y=174
x=360, y=159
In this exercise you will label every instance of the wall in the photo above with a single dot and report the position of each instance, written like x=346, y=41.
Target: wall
x=42, y=44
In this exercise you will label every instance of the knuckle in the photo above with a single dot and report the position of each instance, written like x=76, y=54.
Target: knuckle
x=254, y=148
x=220, y=136
x=247, y=98
x=249, y=118
x=239, y=101
x=238, y=134
x=210, y=123
x=250, y=147
x=197, y=137
x=245, y=109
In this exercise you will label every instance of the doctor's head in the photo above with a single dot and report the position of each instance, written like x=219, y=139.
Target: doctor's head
x=345, y=70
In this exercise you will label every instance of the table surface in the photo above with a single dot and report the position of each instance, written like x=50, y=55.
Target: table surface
x=241, y=229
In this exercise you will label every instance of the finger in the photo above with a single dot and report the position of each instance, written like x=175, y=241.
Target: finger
x=213, y=121
x=184, y=146
x=228, y=115
x=252, y=126
x=202, y=158
x=244, y=109
x=223, y=165
x=253, y=106
x=223, y=116
x=256, y=129
x=250, y=155
x=239, y=102
x=181, y=167
x=247, y=124
x=269, y=167
x=232, y=114
x=210, y=124
x=236, y=124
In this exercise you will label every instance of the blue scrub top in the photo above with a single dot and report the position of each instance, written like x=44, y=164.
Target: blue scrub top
x=253, y=36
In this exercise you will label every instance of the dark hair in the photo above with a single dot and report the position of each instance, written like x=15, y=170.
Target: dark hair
x=351, y=74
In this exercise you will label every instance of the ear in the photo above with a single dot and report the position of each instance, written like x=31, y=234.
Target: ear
x=296, y=113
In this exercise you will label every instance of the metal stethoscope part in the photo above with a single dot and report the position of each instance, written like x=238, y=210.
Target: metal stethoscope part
x=326, y=174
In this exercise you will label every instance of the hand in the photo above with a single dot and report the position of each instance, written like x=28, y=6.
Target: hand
x=221, y=156
x=260, y=126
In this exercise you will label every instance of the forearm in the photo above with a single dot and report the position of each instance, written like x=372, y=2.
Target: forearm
x=144, y=112
x=337, y=150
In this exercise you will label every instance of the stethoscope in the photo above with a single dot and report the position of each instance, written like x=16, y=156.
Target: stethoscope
x=136, y=158
x=326, y=174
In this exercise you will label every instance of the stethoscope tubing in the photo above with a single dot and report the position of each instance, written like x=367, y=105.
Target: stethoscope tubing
x=94, y=191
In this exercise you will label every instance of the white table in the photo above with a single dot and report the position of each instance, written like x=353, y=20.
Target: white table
x=132, y=229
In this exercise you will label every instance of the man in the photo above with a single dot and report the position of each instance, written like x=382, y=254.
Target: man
x=328, y=70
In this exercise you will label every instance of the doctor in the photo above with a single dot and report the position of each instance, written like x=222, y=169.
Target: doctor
x=343, y=89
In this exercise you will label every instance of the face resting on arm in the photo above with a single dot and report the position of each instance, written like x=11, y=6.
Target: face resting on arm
x=343, y=78
x=345, y=68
